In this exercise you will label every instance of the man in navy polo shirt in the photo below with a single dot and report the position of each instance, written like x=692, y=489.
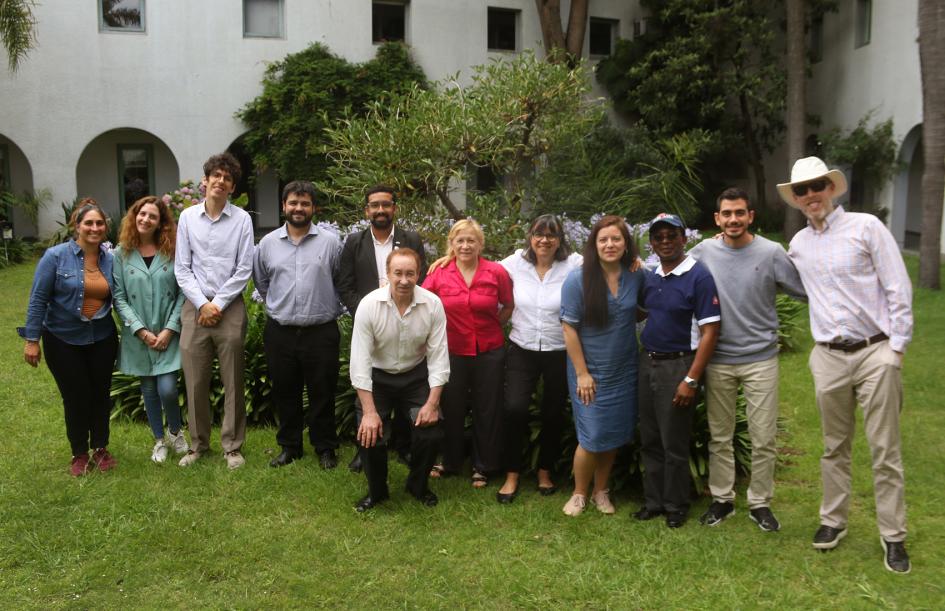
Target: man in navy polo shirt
x=683, y=318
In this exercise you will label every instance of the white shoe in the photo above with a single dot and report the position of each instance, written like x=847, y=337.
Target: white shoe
x=159, y=453
x=189, y=458
x=178, y=442
x=234, y=460
x=575, y=505
x=602, y=501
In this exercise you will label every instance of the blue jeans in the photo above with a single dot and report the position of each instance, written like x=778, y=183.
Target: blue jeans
x=161, y=390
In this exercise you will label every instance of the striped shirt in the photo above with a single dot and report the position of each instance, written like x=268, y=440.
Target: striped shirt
x=855, y=279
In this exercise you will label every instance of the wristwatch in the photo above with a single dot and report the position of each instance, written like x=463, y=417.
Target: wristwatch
x=690, y=382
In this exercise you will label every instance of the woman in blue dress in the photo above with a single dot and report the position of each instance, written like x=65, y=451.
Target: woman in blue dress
x=598, y=314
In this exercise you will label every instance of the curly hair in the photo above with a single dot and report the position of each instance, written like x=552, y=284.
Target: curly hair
x=223, y=161
x=164, y=236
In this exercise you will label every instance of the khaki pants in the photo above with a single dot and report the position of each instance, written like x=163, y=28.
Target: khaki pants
x=759, y=381
x=198, y=346
x=872, y=378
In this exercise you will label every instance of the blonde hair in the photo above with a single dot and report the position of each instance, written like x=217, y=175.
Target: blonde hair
x=458, y=227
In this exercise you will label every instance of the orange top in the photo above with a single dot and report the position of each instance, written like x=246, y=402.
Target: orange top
x=96, y=293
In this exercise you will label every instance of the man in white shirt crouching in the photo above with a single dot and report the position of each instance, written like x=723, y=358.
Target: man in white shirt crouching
x=399, y=361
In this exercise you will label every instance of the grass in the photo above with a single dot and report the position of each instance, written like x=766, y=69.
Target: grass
x=160, y=536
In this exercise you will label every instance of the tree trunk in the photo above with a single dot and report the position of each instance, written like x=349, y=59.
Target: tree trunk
x=754, y=153
x=796, y=114
x=931, y=59
x=549, y=15
x=577, y=25
x=444, y=198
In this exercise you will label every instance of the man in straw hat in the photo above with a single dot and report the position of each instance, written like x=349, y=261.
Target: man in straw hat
x=861, y=319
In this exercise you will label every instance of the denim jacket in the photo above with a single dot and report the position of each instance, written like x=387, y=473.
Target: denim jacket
x=57, y=294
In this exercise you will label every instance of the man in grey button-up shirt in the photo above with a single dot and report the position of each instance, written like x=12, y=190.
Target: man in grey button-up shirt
x=295, y=270
x=213, y=263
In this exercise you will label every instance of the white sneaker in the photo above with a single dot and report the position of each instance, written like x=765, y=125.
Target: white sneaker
x=159, y=453
x=602, y=501
x=189, y=458
x=575, y=505
x=178, y=442
x=234, y=460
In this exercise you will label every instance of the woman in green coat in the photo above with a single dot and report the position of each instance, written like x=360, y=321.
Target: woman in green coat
x=149, y=302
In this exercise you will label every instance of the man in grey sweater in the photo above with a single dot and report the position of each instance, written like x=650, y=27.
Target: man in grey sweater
x=748, y=270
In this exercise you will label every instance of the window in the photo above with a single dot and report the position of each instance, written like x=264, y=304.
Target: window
x=639, y=27
x=135, y=172
x=815, y=45
x=501, y=29
x=864, y=19
x=602, y=34
x=388, y=21
x=263, y=19
x=121, y=15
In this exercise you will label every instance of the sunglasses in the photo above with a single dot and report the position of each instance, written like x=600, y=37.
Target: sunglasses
x=815, y=185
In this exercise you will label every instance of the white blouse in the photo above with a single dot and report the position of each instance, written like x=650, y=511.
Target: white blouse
x=536, y=319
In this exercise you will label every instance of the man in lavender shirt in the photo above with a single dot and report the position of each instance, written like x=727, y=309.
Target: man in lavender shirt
x=213, y=263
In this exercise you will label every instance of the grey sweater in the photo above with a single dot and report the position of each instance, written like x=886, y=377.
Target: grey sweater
x=748, y=280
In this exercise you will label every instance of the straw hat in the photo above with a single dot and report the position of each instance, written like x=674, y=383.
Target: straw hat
x=808, y=169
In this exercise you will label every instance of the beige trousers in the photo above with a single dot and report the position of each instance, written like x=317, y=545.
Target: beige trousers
x=198, y=346
x=759, y=382
x=871, y=377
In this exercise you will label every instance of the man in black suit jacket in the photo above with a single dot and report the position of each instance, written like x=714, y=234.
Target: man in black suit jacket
x=364, y=269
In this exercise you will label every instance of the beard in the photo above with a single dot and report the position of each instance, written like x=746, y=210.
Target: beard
x=381, y=221
x=296, y=222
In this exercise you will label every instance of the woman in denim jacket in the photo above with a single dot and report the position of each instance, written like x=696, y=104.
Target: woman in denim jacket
x=70, y=309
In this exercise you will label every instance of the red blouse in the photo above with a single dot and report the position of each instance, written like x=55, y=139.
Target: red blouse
x=472, y=313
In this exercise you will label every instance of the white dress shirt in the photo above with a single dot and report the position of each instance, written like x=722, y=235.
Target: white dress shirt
x=381, y=250
x=536, y=319
x=384, y=339
x=855, y=280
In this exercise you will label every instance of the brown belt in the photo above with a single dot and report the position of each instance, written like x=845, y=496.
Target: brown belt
x=854, y=346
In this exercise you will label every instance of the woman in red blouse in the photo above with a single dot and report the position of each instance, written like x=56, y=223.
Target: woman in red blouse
x=477, y=297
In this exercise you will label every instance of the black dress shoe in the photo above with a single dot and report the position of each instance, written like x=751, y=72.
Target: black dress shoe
x=369, y=502
x=645, y=513
x=284, y=458
x=327, y=459
x=675, y=519
x=355, y=465
x=427, y=499
x=547, y=490
x=506, y=499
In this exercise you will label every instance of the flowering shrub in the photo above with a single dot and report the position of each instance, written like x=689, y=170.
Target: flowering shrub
x=190, y=192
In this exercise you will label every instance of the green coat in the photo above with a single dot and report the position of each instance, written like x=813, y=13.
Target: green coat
x=147, y=298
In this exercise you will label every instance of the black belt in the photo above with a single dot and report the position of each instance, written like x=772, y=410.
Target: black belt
x=854, y=346
x=665, y=356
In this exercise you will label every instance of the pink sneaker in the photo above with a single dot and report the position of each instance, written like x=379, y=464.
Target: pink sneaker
x=79, y=465
x=104, y=460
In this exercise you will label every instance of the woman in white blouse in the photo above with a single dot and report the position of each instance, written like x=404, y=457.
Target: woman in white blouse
x=536, y=351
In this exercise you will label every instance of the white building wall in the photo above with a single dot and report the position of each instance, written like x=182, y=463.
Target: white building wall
x=183, y=79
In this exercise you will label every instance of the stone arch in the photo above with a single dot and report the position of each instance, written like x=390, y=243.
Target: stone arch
x=906, y=218
x=120, y=165
x=16, y=176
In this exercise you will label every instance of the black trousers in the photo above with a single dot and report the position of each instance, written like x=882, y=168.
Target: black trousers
x=84, y=377
x=522, y=370
x=476, y=380
x=664, y=434
x=404, y=393
x=304, y=358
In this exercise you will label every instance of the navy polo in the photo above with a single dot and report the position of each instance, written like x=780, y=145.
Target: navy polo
x=678, y=303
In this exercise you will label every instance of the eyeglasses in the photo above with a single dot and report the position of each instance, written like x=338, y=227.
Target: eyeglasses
x=815, y=185
x=548, y=237
x=379, y=205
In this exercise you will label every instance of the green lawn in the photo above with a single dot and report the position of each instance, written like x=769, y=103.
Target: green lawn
x=160, y=536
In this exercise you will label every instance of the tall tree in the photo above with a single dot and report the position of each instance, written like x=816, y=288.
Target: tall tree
x=796, y=112
x=17, y=30
x=556, y=38
x=931, y=59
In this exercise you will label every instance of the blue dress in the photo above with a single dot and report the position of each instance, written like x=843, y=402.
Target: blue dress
x=612, y=357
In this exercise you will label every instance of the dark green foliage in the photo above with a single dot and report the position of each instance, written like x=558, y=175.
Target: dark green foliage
x=309, y=91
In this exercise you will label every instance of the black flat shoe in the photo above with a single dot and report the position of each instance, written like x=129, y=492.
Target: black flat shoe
x=284, y=458
x=547, y=490
x=675, y=519
x=427, y=499
x=645, y=513
x=506, y=499
x=368, y=502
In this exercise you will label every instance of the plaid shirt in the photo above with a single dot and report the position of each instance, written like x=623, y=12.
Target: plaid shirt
x=855, y=279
